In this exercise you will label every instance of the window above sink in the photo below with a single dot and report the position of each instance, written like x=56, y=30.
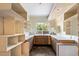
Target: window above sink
x=42, y=28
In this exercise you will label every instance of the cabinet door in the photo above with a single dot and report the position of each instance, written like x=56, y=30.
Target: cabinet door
x=65, y=50
x=16, y=51
x=9, y=25
x=41, y=40
x=30, y=43
x=25, y=49
x=5, y=53
x=54, y=41
x=1, y=26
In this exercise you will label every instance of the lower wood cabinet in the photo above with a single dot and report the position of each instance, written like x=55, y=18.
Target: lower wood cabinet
x=53, y=43
x=30, y=43
x=42, y=40
x=5, y=53
x=25, y=49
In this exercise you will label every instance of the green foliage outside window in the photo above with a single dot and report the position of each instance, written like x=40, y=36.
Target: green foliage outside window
x=41, y=26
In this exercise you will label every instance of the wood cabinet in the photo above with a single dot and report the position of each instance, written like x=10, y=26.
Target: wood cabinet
x=70, y=25
x=25, y=48
x=30, y=40
x=53, y=43
x=42, y=40
x=72, y=16
x=10, y=44
x=1, y=25
x=71, y=20
x=12, y=18
x=5, y=53
x=16, y=51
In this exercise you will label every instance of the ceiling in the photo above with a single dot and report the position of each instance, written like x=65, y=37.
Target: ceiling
x=59, y=9
x=38, y=9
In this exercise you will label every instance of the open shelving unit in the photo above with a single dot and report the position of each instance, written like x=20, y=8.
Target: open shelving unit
x=71, y=21
x=12, y=19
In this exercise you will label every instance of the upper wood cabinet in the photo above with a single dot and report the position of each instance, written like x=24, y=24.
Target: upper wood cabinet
x=71, y=20
x=13, y=7
x=12, y=19
x=57, y=14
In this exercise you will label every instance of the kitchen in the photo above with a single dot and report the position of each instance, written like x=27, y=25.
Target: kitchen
x=49, y=29
x=59, y=42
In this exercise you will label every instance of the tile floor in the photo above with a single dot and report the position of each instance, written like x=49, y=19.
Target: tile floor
x=42, y=51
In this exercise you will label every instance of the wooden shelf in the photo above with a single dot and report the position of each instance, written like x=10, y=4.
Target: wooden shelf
x=11, y=35
x=12, y=40
x=13, y=46
x=16, y=7
x=21, y=38
x=12, y=19
x=71, y=12
x=71, y=20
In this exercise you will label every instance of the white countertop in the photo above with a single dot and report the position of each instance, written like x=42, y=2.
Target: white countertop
x=58, y=37
x=28, y=37
x=42, y=35
x=65, y=37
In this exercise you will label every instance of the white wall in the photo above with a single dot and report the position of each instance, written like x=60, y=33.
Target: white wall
x=60, y=22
